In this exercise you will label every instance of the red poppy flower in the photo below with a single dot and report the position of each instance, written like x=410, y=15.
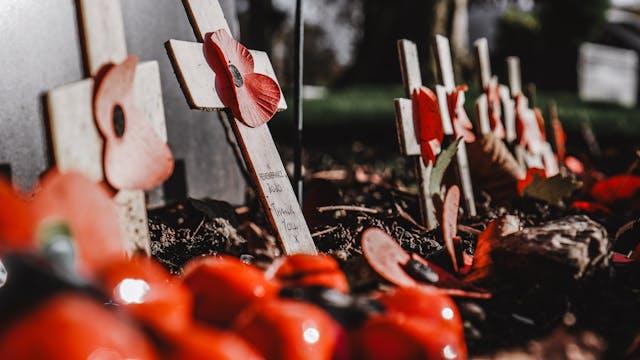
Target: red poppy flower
x=74, y=327
x=84, y=206
x=532, y=173
x=396, y=336
x=450, y=222
x=590, y=207
x=207, y=343
x=16, y=222
x=495, y=111
x=149, y=293
x=425, y=304
x=576, y=166
x=308, y=270
x=223, y=286
x=388, y=259
x=252, y=98
x=288, y=330
x=427, y=123
x=135, y=157
x=616, y=188
x=461, y=124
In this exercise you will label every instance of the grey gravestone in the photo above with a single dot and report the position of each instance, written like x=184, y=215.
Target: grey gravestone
x=608, y=74
x=41, y=50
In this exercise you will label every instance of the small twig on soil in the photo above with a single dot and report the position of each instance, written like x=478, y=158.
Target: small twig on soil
x=322, y=232
x=403, y=214
x=197, y=229
x=469, y=229
x=347, y=208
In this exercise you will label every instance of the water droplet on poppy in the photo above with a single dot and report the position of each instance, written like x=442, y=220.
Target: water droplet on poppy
x=132, y=291
x=447, y=313
x=449, y=352
x=237, y=77
x=311, y=335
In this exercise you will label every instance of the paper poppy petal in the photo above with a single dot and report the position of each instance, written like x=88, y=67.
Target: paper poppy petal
x=138, y=159
x=258, y=99
x=90, y=213
x=450, y=222
x=616, y=188
x=16, y=222
x=449, y=284
x=427, y=123
x=233, y=52
x=462, y=126
x=252, y=98
x=386, y=256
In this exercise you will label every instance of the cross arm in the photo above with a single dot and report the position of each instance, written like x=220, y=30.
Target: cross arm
x=205, y=16
x=197, y=80
x=445, y=64
x=483, y=61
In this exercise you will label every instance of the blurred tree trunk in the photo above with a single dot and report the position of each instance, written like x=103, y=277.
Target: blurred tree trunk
x=385, y=22
x=231, y=14
x=262, y=23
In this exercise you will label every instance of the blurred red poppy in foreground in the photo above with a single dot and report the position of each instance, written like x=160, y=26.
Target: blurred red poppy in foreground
x=85, y=207
x=616, y=188
x=427, y=123
x=135, y=157
x=253, y=98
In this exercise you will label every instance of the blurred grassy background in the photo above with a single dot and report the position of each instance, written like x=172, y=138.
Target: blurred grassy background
x=365, y=114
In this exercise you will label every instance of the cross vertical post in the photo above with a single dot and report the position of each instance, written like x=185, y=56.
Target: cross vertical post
x=407, y=138
x=76, y=142
x=256, y=143
x=447, y=81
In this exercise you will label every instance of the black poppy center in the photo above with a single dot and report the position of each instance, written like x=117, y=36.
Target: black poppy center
x=237, y=77
x=118, y=120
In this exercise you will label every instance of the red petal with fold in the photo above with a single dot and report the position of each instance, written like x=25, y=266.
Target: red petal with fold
x=16, y=224
x=427, y=123
x=252, y=98
x=462, y=126
x=386, y=256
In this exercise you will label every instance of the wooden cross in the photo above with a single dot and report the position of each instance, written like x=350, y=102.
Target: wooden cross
x=446, y=78
x=258, y=149
x=407, y=137
x=76, y=142
x=482, y=103
x=541, y=155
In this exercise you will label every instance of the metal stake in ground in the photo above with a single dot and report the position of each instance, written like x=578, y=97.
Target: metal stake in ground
x=298, y=69
x=258, y=149
x=446, y=78
x=76, y=140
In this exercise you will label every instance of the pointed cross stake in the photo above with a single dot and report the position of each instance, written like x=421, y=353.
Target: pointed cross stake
x=482, y=103
x=540, y=155
x=407, y=137
x=446, y=77
x=258, y=149
x=76, y=141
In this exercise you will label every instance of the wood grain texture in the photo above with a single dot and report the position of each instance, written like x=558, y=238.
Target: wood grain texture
x=515, y=78
x=205, y=16
x=102, y=33
x=508, y=113
x=409, y=66
x=483, y=61
x=258, y=149
x=405, y=128
x=198, y=80
x=78, y=146
x=482, y=114
x=444, y=62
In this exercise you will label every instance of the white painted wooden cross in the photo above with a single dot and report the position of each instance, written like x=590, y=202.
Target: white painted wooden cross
x=538, y=152
x=258, y=149
x=407, y=137
x=487, y=82
x=446, y=78
x=76, y=140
